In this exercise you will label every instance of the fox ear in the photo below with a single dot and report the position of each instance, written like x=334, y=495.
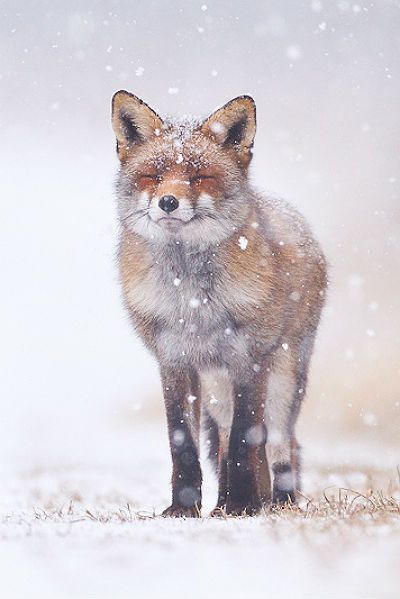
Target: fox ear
x=233, y=127
x=133, y=121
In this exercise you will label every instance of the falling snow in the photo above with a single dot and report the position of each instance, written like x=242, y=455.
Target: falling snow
x=369, y=419
x=294, y=52
x=324, y=76
x=243, y=242
x=194, y=302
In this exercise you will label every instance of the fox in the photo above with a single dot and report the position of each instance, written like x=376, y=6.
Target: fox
x=225, y=287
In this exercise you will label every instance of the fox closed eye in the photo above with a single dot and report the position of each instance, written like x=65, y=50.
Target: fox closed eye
x=150, y=176
x=200, y=178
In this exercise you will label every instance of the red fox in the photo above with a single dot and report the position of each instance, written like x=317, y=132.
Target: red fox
x=225, y=287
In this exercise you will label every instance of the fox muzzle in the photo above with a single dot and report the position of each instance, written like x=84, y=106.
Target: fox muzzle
x=168, y=203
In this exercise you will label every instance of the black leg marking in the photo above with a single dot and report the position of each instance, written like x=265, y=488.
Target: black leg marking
x=247, y=433
x=186, y=474
x=210, y=429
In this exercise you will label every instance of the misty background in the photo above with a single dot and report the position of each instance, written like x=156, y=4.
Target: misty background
x=325, y=78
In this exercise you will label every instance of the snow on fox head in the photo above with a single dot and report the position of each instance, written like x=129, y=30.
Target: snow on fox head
x=183, y=180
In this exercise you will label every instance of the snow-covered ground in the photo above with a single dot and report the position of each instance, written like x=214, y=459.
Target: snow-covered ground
x=88, y=527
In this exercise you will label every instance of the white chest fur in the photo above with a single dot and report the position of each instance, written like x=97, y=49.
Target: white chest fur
x=187, y=296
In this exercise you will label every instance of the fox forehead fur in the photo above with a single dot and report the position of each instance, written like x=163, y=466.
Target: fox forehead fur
x=224, y=285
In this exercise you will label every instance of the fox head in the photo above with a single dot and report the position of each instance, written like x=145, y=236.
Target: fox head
x=183, y=180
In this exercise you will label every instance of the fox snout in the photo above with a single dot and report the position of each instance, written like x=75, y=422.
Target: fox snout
x=168, y=203
x=167, y=200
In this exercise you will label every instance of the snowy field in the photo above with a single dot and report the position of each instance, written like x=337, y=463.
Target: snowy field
x=89, y=528
x=85, y=463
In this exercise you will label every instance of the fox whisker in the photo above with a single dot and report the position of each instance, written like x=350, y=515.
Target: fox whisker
x=136, y=214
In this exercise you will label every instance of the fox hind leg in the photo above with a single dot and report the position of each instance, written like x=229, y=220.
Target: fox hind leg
x=217, y=401
x=285, y=390
x=295, y=459
x=217, y=445
x=264, y=477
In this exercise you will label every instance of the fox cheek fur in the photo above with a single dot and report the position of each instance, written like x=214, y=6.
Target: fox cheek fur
x=225, y=287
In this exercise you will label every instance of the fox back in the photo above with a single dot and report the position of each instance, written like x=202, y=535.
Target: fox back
x=225, y=287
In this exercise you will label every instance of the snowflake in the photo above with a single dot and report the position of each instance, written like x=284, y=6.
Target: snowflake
x=243, y=241
x=294, y=52
x=194, y=302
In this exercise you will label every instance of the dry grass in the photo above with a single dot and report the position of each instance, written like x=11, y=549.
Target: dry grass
x=334, y=504
x=342, y=503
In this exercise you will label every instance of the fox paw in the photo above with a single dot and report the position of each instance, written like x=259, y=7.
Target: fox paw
x=251, y=508
x=218, y=512
x=282, y=498
x=181, y=511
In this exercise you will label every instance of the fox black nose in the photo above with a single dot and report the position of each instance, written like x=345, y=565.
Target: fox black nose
x=168, y=203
